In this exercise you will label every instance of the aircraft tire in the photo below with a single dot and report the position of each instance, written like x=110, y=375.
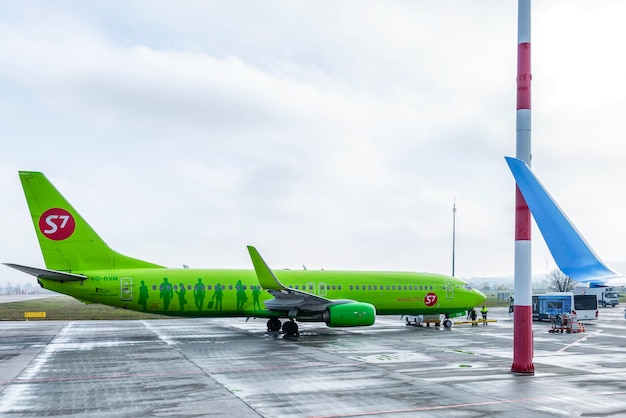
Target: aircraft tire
x=273, y=324
x=290, y=328
x=447, y=323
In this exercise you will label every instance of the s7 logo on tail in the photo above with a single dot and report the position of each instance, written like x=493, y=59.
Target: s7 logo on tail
x=57, y=224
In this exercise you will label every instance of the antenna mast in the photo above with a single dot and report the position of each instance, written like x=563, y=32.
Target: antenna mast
x=453, y=232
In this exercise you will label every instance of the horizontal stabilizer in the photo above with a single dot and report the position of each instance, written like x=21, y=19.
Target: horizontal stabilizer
x=57, y=276
x=569, y=249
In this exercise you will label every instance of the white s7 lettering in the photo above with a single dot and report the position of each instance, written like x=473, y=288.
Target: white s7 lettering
x=65, y=219
x=53, y=226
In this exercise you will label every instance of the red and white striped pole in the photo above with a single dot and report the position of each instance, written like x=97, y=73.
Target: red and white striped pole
x=523, y=316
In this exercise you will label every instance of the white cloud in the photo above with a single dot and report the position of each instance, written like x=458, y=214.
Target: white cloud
x=331, y=135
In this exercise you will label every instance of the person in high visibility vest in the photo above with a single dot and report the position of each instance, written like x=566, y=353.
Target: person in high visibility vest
x=484, y=311
x=473, y=317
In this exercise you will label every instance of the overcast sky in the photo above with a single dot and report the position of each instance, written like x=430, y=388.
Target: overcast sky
x=331, y=134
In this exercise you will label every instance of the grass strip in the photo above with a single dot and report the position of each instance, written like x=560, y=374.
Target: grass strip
x=65, y=308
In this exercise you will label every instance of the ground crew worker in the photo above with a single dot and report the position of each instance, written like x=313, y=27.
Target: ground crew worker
x=473, y=316
x=484, y=311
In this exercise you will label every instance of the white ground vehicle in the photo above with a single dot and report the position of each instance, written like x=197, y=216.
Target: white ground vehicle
x=607, y=296
x=547, y=305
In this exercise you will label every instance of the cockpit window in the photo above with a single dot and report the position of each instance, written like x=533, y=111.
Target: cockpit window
x=467, y=286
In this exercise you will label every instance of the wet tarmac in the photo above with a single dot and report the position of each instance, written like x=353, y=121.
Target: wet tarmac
x=229, y=367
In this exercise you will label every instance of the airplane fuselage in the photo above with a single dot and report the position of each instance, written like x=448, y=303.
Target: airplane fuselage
x=80, y=264
x=210, y=292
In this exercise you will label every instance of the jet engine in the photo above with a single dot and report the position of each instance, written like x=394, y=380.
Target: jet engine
x=352, y=314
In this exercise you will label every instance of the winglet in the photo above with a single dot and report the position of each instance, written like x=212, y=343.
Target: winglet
x=266, y=277
x=569, y=249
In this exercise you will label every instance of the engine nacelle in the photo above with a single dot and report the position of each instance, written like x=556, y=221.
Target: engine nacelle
x=352, y=314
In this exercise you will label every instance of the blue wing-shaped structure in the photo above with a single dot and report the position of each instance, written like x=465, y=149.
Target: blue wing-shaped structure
x=569, y=249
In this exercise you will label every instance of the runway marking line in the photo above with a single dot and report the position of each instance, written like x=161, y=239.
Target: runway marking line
x=578, y=341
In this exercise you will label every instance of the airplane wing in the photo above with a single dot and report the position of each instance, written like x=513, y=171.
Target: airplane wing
x=57, y=276
x=570, y=251
x=285, y=298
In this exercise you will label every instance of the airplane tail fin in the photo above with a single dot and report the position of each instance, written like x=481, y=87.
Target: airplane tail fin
x=67, y=241
x=569, y=249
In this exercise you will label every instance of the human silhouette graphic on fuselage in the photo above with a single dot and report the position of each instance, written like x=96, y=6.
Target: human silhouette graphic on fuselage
x=143, y=295
x=218, y=295
x=166, y=293
x=181, y=297
x=256, y=292
x=242, y=298
x=198, y=294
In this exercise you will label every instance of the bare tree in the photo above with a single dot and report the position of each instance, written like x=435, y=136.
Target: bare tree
x=8, y=286
x=560, y=282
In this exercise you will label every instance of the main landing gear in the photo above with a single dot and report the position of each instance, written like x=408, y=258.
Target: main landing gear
x=290, y=328
x=273, y=324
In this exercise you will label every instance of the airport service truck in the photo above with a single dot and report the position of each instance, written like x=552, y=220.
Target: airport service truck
x=607, y=296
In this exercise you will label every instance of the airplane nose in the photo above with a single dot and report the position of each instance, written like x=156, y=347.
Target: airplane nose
x=480, y=297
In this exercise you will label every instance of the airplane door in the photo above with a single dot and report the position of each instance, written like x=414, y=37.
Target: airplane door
x=449, y=290
x=126, y=288
x=321, y=289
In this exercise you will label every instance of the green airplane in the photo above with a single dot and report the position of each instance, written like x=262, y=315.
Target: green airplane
x=80, y=264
